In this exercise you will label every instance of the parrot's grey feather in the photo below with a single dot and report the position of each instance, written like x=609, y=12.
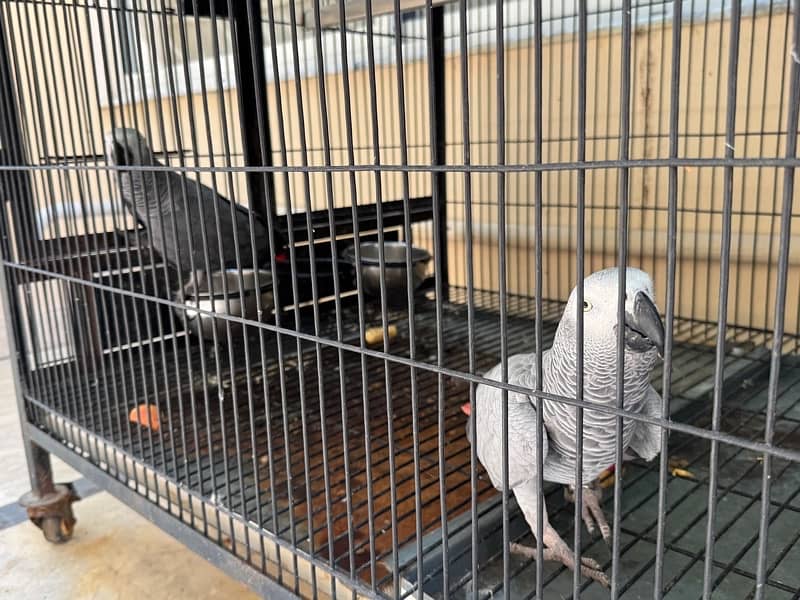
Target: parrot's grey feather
x=165, y=203
x=522, y=444
x=527, y=495
x=599, y=428
x=646, y=440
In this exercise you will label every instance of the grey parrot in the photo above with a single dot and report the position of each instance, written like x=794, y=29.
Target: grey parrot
x=644, y=342
x=147, y=195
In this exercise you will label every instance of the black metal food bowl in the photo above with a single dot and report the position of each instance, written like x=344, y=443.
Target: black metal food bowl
x=395, y=267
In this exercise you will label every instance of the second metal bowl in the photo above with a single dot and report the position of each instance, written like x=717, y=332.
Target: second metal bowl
x=394, y=258
x=241, y=302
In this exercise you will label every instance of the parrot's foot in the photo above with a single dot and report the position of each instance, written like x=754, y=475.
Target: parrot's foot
x=560, y=552
x=591, y=509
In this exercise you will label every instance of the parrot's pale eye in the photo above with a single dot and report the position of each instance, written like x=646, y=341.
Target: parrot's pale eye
x=587, y=306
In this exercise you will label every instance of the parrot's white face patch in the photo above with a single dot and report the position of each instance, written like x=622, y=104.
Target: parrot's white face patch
x=599, y=305
x=110, y=149
x=127, y=146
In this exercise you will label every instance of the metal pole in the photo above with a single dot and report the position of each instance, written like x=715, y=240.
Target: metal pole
x=439, y=191
x=252, y=77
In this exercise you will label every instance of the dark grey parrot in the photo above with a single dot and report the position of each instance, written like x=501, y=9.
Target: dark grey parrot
x=158, y=196
x=644, y=340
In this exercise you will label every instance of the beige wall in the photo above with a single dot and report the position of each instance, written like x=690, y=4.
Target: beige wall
x=757, y=192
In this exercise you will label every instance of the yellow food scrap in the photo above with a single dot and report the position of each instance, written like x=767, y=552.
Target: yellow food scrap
x=682, y=473
x=374, y=335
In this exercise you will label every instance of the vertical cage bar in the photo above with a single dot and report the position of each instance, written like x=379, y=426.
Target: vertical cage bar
x=503, y=297
x=351, y=160
x=376, y=152
x=722, y=315
x=290, y=235
x=302, y=132
x=672, y=232
x=182, y=317
x=538, y=326
x=470, y=281
x=260, y=197
x=622, y=262
x=780, y=305
x=412, y=336
x=15, y=59
x=40, y=470
x=579, y=268
x=323, y=101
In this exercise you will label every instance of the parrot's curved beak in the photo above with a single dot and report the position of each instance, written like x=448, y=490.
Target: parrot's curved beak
x=643, y=326
x=115, y=152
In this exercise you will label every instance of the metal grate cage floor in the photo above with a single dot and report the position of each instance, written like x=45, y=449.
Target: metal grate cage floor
x=270, y=481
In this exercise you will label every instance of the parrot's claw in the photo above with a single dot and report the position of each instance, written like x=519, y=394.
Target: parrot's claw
x=588, y=561
x=592, y=510
x=595, y=574
x=561, y=553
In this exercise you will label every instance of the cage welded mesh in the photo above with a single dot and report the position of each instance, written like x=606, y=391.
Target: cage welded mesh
x=217, y=314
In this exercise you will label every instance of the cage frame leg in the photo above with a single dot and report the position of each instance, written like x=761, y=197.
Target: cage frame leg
x=48, y=504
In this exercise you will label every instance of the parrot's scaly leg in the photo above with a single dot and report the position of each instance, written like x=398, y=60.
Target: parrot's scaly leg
x=556, y=549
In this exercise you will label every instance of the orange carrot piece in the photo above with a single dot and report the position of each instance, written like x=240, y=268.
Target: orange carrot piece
x=140, y=415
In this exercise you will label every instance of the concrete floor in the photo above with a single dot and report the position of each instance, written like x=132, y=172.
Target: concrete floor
x=114, y=553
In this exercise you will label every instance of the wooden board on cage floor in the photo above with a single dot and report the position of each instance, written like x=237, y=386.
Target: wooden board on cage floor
x=457, y=484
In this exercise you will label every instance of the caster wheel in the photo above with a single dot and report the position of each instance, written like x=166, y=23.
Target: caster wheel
x=52, y=512
x=57, y=530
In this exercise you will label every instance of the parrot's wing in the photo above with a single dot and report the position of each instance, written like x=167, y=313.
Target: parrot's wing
x=646, y=440
x=240, y=212
x=209, y=200
x=238, y=219
x=522, y=439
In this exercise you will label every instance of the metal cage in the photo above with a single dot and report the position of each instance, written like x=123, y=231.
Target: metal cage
x=224, y=326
